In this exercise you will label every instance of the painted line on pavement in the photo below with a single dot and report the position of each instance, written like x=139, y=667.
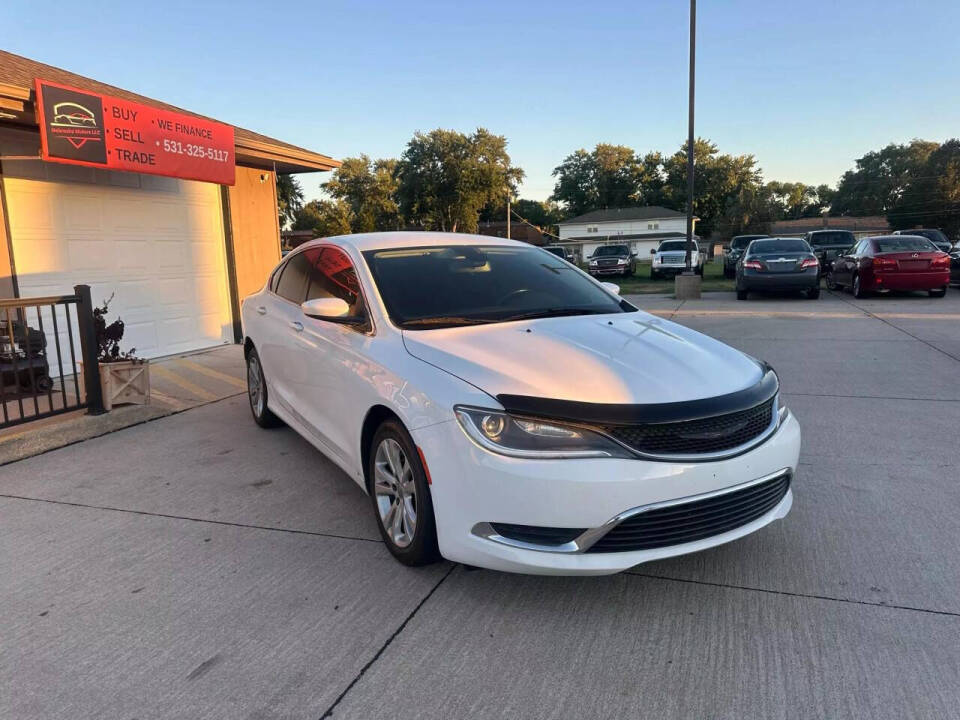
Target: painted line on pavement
x=200, y=392
x=216, y=374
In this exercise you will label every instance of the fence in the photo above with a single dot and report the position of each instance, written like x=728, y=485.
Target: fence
x=41, y=372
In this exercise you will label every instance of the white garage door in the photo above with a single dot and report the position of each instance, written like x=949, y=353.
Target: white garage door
x=155, y=243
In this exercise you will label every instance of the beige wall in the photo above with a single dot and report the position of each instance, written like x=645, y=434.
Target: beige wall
x=255, y=229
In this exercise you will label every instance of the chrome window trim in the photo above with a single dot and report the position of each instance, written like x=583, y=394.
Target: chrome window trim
x=589, y=538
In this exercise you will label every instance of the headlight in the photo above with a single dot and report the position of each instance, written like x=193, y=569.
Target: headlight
x=621, y=261
x=505, y=434
x=593, y=263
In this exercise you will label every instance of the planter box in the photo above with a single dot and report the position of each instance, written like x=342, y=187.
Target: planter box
x=126, y=382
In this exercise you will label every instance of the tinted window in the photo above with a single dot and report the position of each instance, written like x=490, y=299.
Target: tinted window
x=675, y=245
x=863, y=248
x=740, y=242
x=292, y=284
x=832, y=238
x=905, y=243
x=440, y=286
x=608, y=250
x=761, y=247
x=331, y=274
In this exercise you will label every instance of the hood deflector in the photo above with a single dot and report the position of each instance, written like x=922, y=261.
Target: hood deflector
x=617, y=414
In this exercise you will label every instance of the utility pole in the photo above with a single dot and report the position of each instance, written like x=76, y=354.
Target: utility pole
x=508, y=216
x=687, y=285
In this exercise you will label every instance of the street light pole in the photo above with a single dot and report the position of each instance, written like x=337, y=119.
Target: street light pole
x=687, y=283
x=690, y=139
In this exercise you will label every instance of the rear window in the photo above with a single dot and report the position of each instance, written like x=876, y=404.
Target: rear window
x=762, y=247
x=832, y=238
x=905, y=243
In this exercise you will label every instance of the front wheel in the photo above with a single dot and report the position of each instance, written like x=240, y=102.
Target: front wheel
x=257, y=393
x=401, y=496
x=937, y=293
x=741, y=294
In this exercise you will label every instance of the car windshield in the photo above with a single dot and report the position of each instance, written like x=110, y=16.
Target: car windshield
x=905, y=243
x=764, y=247
x=674, y=245
x=741, y=241
x=608, y=250
x=446, y=286
x=846, y=239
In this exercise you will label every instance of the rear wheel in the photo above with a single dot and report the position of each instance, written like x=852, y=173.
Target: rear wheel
x=857, y=289
x=257, y=393
x=401, y=496
x=938, y=293
x=831, y=283
x=741, y=294
x=813, y=293
x=727, y=273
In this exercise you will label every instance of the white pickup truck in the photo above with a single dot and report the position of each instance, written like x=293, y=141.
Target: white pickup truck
x=670, y=258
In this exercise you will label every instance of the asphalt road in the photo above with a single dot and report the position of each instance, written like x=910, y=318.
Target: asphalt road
x=199, y=567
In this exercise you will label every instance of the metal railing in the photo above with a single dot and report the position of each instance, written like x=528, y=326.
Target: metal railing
x=41, y=372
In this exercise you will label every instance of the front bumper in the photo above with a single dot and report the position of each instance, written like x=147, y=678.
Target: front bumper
x=610, y=270
x=473, y=487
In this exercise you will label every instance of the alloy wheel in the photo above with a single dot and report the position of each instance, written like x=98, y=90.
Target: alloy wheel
x=255, y=385
x=395, y=492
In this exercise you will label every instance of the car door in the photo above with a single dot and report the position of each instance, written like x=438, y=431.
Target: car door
x=280, y=311
x=844, y=266
x=339, y=365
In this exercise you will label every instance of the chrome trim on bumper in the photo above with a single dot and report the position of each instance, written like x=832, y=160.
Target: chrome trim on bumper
x=587, y=539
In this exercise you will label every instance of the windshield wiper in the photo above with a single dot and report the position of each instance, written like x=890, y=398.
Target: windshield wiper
x=553, y=312
x=443, y=321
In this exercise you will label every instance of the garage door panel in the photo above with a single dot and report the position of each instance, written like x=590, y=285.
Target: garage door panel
x=159, y=248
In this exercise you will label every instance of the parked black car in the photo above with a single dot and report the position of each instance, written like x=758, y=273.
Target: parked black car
x=733, y=254
x=779, y=264
x=828, y=245
x=932, y=234
x=560, y=252
x=612, y=260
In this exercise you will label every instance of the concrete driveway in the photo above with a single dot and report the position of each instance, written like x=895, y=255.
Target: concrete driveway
x=199, y=567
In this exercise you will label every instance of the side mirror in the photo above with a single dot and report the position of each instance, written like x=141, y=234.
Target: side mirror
x=612, y=287
x=653, y=251
x=330, y=308
x=633, y=254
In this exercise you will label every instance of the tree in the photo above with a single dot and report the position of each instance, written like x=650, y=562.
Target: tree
x=289, y=198
x=750, y=210
x=544, y=214
x=368, y=188
x=932, y=194
x=445, y=178
x=608, y=177
x=325, y=217
x=879, y=179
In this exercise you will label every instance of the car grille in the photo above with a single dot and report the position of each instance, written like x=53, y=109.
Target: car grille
x=606, y=263
x=696, y=437
x=695, y=520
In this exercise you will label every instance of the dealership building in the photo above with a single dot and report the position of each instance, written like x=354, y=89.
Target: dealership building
x=171, y=212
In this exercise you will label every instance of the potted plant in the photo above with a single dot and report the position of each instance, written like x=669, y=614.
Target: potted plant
x=124, y=378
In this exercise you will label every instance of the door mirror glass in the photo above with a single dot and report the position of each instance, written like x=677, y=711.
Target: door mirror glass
x=612, y=287
x=326, y=308
x=653, y=251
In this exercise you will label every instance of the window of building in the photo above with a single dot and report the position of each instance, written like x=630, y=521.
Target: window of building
x=653, y=226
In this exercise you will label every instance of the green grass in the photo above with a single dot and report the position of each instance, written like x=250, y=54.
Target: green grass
x=640, y=283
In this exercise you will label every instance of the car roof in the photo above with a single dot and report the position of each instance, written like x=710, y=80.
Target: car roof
x=403, y=239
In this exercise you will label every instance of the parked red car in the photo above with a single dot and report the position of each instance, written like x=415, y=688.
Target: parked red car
x=891, y=262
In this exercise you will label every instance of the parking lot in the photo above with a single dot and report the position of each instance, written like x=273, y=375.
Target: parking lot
x=197, y=566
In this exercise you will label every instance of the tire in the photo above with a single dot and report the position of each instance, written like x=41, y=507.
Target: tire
x=700, y=271
x=857, y=289
x=937, y=293
x=397, y=480
x=831, y=285
x=742, y=294
x=257, y=393
x=728, y=273
x=813, y=293
x=654, y=275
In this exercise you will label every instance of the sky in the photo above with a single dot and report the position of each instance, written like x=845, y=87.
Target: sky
x=806, y=87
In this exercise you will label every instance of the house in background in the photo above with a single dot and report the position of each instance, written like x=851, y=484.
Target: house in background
x=177, y=254
x=643, y=228
x=518, y=231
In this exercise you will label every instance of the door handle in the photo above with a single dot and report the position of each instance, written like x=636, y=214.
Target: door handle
x=262, y=310
x=297, y=326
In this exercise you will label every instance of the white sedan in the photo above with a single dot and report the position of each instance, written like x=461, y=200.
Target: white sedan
x=503, y=409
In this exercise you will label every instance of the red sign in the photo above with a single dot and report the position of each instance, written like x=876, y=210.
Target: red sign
x=84, y=128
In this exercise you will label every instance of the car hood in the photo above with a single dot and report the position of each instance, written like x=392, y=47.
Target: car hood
x=626, y=358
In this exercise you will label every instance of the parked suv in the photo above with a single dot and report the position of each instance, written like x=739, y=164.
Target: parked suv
x=670, y=258
x=738, y=245
x=828, y=245
x=612, y=260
